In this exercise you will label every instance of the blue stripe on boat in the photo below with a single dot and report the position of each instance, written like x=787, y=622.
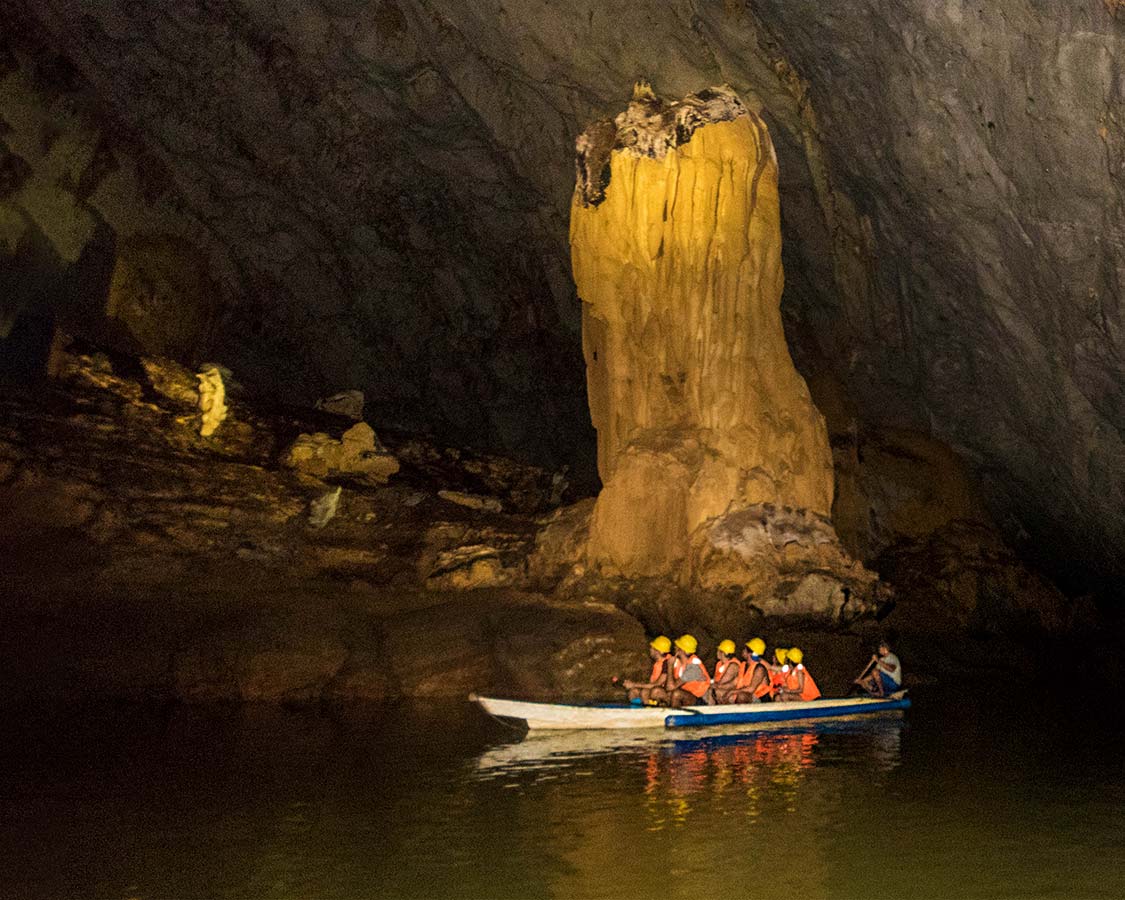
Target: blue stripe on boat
x=781, y=715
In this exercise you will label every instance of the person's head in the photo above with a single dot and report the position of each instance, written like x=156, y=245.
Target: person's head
x=781, y=655
x=658, y=646
x=884, y=648
x=725, y=650
x=686, y=645
x=756, y=646
x=796, y=656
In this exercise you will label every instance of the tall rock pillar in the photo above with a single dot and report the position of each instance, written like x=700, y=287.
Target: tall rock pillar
x=676, y=247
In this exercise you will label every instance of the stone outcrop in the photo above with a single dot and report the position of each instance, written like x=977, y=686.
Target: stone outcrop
x=357, y=454
x=345, y=403
x=715, y=462
x=783, y=563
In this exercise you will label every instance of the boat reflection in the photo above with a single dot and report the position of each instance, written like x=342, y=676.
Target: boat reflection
x=695, y=757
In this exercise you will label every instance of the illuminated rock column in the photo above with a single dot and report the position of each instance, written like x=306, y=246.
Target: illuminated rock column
x=676, y=248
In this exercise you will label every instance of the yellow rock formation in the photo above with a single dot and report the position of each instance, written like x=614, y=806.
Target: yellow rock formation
x=212, y=400
x=698, y=407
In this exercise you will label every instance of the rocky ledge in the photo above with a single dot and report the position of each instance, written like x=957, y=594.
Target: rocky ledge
x=286, y=557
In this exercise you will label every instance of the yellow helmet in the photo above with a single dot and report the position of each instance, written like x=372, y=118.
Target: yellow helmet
x=795, y=655
x=687, y=643
x=727, y=647
x=757, y=646
x=661, y=644
x=780, y=654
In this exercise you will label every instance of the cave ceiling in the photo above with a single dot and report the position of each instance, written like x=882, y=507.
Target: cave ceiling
x=380, y=191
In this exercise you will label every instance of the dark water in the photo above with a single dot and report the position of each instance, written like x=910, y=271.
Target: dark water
x=1003, y=799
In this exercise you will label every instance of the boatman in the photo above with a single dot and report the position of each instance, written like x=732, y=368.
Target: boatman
x=653, y=692
x=886, y=678
x=726, y=673
x=799, y=684
x=689, y=680
x=753, y=685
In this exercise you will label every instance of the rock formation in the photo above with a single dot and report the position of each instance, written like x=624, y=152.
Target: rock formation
x=357, y=454
x=345, y=403
x=701, y=416
x=322, y=509
x=212, y=400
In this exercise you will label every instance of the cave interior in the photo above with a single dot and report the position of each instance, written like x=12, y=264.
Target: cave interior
x=318, y=196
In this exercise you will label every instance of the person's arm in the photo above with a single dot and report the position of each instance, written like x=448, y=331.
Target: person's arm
x=730, y=676
x=760, y=677
x=658, y=681
x=889, y=667
x=870, y=673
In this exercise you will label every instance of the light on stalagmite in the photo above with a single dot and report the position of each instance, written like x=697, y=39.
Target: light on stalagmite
x=676, y=248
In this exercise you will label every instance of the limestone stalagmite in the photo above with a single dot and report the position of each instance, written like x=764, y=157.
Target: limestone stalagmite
x=676, y=248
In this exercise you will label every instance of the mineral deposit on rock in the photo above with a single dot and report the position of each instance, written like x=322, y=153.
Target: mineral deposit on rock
x=323, y=509
x=212, y=399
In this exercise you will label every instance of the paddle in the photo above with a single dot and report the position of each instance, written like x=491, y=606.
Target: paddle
x=860, y=677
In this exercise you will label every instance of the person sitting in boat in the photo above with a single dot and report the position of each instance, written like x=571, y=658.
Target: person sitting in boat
x=779, y=671
x=689, y=681
x=726, y=673
x=886, y=676
x=753, y=684
x=653, y=692
x=799, y=684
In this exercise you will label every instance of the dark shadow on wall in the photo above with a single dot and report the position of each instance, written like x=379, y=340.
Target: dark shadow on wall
x=41, y=294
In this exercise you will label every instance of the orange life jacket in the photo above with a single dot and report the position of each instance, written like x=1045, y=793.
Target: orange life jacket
x=658, y=668
x=746, y=676
x=793, y=683
x=778, y=679
x=721, y=667
x=699, y=688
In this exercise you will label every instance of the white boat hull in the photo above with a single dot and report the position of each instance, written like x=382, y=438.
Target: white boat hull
x=561, y=716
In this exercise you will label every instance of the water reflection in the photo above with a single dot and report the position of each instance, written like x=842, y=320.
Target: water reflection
x=771, y=762
x=431, y=802
x=658, y=805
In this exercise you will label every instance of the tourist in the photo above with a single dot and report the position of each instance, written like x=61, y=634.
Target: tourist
x=653, y=692
x=726, y=673
x=688, y=681
x=886, y=676
x=799, y=684
x=753, y=685
x=779, y=670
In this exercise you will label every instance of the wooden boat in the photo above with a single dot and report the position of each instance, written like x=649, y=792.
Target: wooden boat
x=559, y=716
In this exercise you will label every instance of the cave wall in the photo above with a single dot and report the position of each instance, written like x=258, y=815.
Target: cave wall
x=390, y=181
x=336, y=184
x=985, y=145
